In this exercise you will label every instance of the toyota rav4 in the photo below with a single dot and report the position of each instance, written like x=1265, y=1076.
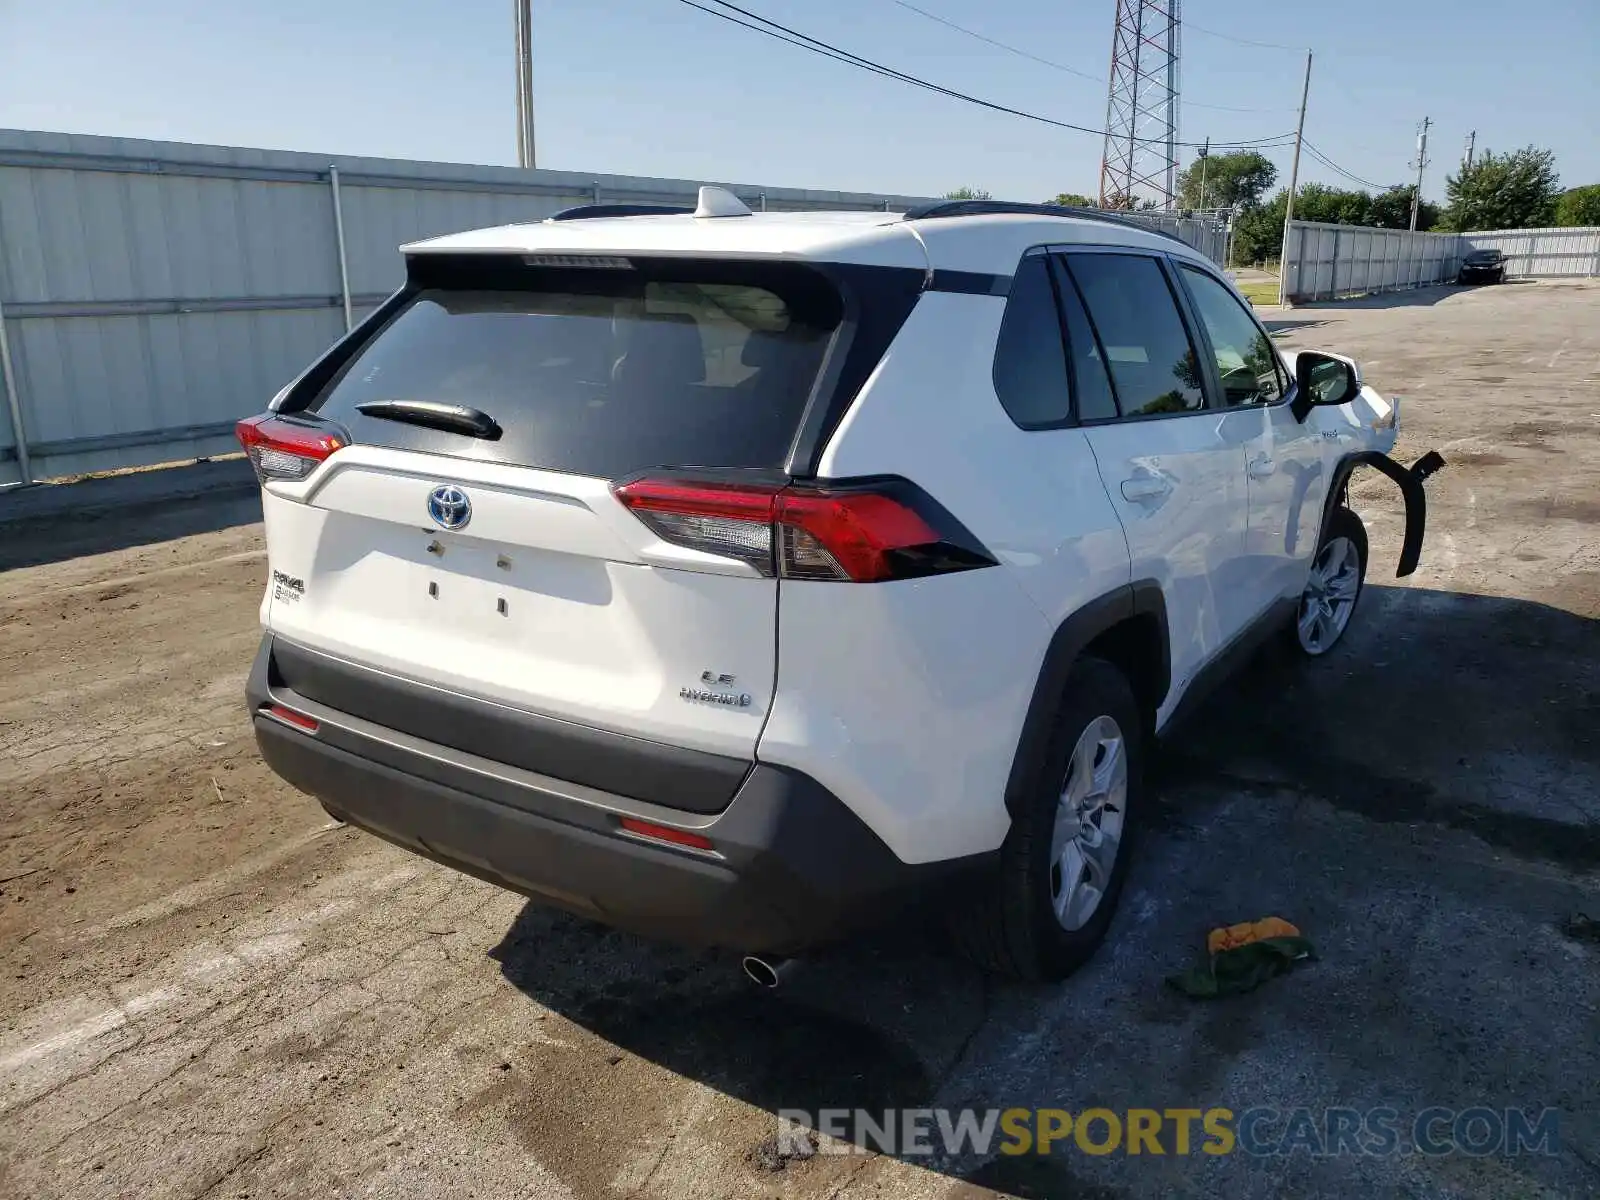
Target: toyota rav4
x=735, y=578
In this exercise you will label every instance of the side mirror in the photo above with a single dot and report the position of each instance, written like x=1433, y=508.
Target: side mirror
x=1322, y=379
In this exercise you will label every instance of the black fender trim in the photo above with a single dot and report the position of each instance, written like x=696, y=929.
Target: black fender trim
x=1408, y=479
x=1143, y=598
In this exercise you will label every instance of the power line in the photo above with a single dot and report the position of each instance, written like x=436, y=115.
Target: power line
x=973, y=33
x=1056, y=66
x=1351, y=176
x=1232, y=109
x=1190, y=27
x=804, y=41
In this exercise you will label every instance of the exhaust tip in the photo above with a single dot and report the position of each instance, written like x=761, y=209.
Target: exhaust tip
x=761, y=972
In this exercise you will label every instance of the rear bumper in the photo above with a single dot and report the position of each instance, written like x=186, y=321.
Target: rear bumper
x=792, y=866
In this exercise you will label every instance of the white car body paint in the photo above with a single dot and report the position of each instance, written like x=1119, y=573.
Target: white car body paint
x=905, y=699
x=592, y=631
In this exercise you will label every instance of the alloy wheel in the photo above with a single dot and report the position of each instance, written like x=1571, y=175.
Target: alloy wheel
x=1089, y=822
x=1330, y=596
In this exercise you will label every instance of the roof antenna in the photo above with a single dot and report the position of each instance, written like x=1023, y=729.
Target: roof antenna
x=720, y=202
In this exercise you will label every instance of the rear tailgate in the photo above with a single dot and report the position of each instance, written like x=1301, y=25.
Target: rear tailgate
x=552, y=598
x=503, y=567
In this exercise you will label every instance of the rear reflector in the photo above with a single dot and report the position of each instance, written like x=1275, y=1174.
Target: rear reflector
x=863, y=531
x=289, y=717
x=285, y=450
x=665, y=833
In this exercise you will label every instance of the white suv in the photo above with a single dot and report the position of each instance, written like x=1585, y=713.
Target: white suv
x=735, y=577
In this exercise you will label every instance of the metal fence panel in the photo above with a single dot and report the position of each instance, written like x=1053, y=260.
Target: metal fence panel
x=1208, y=237
x=10, y=465
x=152, y=293
x=1325, y=262
x=1542, y=253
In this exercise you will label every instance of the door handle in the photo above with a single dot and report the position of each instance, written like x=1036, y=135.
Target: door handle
x=1145, y=487
x=1261, y=466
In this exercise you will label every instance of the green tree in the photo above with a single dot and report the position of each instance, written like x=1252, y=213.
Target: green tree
x=1258, y=231
x=1392, y=210
x=1503, y=191
x=1237, y=180
x=968, y=193
x=1579, y=206
x=1336, y=206
x=1073, y=200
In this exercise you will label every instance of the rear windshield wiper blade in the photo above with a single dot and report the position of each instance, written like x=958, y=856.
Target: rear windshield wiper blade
x=452, y=418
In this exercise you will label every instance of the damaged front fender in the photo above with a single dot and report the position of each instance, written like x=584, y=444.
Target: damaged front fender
x=1409, y=480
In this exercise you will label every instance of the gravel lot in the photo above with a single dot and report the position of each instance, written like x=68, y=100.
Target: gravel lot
x=208, y=989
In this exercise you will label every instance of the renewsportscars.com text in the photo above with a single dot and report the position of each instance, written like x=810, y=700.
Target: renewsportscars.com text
x=1259, y=1132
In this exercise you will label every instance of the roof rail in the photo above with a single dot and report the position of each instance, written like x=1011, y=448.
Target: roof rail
x=985, y=208
x=584, y=212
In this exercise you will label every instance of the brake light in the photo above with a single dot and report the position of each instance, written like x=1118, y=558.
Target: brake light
x=665, y=833
x=285, y=450
x=865, y=531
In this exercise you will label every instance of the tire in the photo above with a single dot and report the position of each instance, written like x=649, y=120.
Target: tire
x=1333, y=587
x=1009, y=924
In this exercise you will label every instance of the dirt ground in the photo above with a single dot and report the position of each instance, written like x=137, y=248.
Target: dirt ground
x=209, y=989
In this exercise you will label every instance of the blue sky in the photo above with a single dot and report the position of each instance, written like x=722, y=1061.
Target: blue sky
x=651, y=87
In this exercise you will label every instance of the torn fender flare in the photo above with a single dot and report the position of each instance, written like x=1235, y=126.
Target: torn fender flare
x=1409, y=480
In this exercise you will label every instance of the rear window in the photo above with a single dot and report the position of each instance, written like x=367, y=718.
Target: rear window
x=597, y=371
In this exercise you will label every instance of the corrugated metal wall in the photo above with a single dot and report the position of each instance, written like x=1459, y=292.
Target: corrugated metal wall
x=152, y=293
x=1208, y=237
x=1543, y=253
x=1324, y=262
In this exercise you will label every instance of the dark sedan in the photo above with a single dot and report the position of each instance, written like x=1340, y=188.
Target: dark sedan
x=1482, y=266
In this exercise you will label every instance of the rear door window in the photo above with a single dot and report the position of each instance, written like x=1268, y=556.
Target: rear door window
x=1091, y=384
x=600, y=371
x=1147, y=348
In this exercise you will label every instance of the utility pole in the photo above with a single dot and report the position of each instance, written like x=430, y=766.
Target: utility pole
x=1294, y=179
x=1205, y=154
x=1472, y=144
x=1422, y=161
x=524, y=22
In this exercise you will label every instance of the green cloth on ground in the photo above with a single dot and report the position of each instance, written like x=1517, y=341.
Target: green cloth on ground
x=1242, y=968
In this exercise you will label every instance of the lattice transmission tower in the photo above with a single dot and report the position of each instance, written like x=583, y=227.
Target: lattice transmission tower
x=1141, y=151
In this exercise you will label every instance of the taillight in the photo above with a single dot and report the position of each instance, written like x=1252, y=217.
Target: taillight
x=860, y=531
x=290, y=717
x=664, y=833
x=285, y=450
x=733, y=520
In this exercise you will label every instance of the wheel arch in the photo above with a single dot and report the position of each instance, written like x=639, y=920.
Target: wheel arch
x=1128, y=627
x=1408, y=479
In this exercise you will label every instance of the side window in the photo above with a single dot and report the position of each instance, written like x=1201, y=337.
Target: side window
x=1030, y=363
x=1147, y=349
x=1246, y=362
x=1090, y=383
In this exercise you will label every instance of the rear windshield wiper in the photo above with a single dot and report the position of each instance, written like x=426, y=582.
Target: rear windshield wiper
x=452, y=418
